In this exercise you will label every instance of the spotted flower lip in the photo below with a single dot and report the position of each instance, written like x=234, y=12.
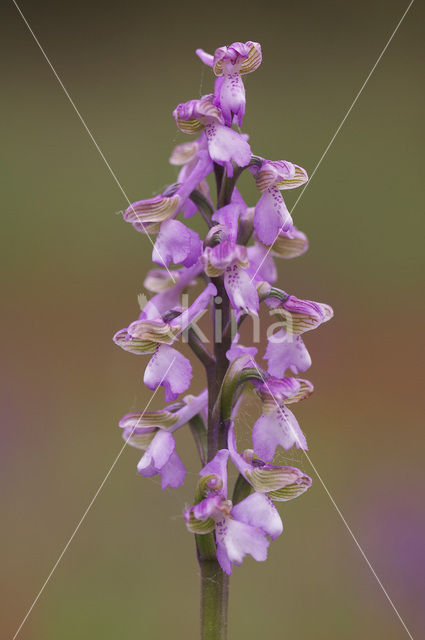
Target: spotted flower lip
x=231, y=260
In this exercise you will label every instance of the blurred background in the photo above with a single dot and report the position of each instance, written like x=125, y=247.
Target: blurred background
x=73, y=270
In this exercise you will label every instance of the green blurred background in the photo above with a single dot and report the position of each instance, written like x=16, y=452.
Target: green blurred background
x=73, y=270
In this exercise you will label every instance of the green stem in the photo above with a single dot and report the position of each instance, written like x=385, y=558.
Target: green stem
x=214, y=600
x=214, y=582
x=214, y=590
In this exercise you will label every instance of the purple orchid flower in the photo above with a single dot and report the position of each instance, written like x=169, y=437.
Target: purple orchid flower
x=229, y=259
x=225, y=146
x=240, y=529
x=271, y=214
x=152, y=432
x=167, y=367
x=229, y=64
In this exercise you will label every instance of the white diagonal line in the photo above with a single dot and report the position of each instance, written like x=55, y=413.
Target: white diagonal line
x=341, y=124
x=357, y=543
x=83, y=122
x=83, y=517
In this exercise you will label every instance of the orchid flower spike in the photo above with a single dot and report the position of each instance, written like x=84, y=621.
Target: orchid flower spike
x=216, y=262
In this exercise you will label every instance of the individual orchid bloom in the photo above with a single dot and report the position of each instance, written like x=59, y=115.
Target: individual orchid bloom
x=286, y=351
x=271, y=214
x=144, y=335
x=240, y=529
x=296, y=315
x=225, y=146
x=229, y=64
x=177, y=243
x=280, y=483
x=169, y=203
x=151, y=431
x=231, y=260
x=167, y=367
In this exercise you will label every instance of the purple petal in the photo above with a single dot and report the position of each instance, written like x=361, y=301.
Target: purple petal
x=239, y=350
x=241, y=291
x=170, y=369
x=226, y=145
x=241, y=464
x=177, y=243
x=224, y=560
x=271, y=216
x=279, y=427
x=206, y=58
x=259, y=511
x=261, y=264
x=157, y=454
x=236, y=539
x=192, y=406
x=286, y=351
x=173, y=472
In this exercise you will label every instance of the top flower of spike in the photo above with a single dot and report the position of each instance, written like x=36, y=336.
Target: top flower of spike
x=229, y=64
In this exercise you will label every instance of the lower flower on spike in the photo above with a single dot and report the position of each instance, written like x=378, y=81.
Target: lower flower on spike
x=240, y=529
